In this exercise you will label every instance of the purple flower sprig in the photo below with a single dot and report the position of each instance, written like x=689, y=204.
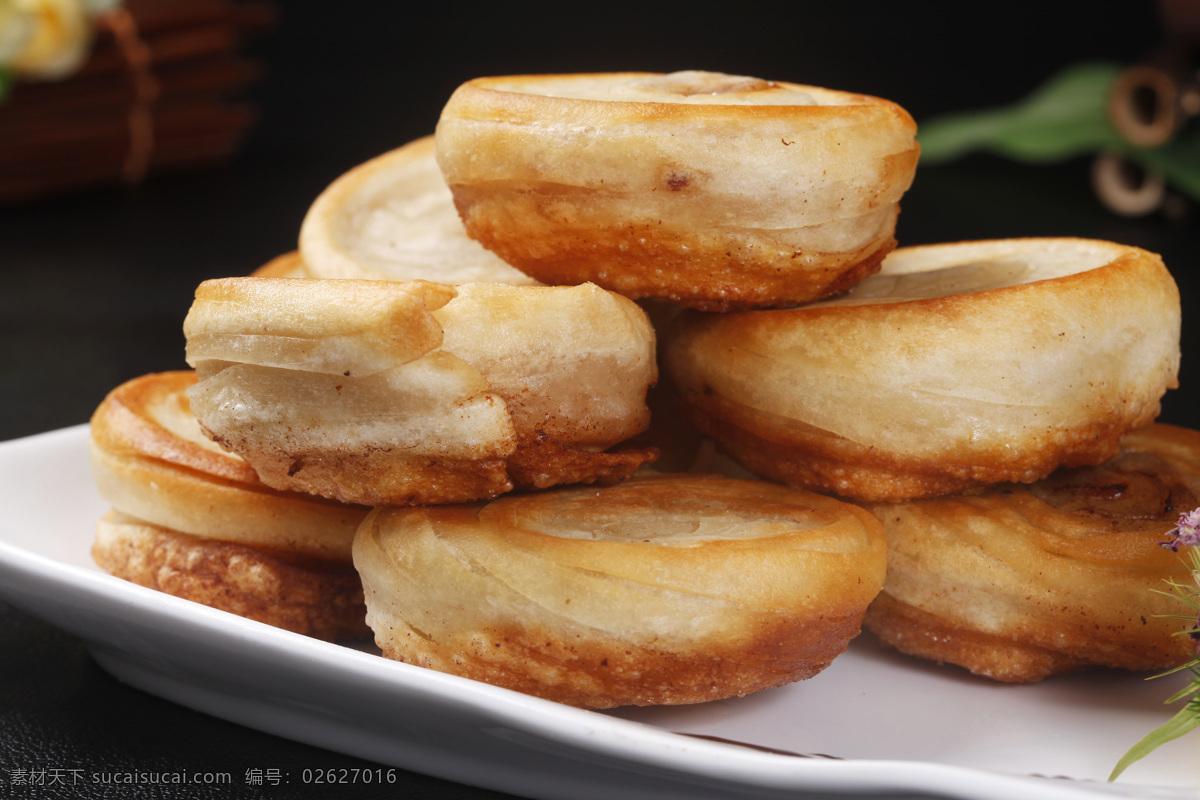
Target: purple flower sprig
x=1186, y=533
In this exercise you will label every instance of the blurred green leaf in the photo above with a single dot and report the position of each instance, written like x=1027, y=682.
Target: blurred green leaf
x=1187, y=720
x=1178, y=161
x=1065, y=117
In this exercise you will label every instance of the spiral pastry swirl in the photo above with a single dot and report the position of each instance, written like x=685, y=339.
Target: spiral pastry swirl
x=1022, y=582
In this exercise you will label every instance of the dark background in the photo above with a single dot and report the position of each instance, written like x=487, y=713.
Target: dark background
x=95, y=285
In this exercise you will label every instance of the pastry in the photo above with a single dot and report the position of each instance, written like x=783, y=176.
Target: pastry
x=708, y=190
x=395, y=393
x=956, y=367
x=192, y=520
x=1026, y=581
x=392, y=218
x=658, y=590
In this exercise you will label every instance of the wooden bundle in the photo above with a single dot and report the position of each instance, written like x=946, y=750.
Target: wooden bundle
x=162, y=90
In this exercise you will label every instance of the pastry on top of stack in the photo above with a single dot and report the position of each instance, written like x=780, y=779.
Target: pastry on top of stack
x=399, y=393
x=708, y=190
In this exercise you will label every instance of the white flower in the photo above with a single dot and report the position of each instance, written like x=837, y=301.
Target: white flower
x=45, y=39
x=16, y=29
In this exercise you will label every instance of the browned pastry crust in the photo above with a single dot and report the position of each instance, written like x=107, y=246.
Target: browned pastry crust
x=314, y=598
x=918, y=633
x=192, y=520
x=712, y=191
x=370, y=474
x=956, y=367
x=669, y=589
x=1022, y=582
x=540, y=462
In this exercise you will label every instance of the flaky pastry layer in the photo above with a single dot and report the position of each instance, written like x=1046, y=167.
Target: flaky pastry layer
x=674, y=589
x=572, y=363
x=957, y=366
x=709, y=190
x=1022, y=582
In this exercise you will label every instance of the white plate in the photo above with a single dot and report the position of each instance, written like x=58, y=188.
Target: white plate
x=893, y=725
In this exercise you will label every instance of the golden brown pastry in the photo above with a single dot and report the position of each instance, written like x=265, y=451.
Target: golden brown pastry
x=317, y=598
x=658, y=590
x=195, y=521
x=957, y=366
x=1022, y=582
x=391, y=393
x=392, y=218
x=709, y=190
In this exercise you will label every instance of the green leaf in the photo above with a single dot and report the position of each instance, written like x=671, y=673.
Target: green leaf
x=1178, y=162
x=1065, y=117
x=1186, y=720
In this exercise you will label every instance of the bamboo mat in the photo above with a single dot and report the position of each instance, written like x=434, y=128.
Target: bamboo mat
x=164, y=89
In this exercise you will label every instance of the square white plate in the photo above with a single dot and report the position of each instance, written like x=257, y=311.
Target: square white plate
x=874, y=723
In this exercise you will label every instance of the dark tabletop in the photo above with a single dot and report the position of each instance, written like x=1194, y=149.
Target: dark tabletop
x=95, y=285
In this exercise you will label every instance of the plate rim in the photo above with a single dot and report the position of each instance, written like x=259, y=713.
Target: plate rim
x=33, y=578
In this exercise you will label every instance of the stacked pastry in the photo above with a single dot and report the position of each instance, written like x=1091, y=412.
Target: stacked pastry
x=457, y=345
x=956, y=368
x=988, y=401
x=711, y=191
x=397, y=362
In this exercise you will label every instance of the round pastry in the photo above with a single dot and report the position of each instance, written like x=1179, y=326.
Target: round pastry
x=956, y=367
x=196, y=522
x=393, y=218
x=712, y=191
x=389, y=393
x=658, y=590
x=339, y=388
x=1022, y=582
